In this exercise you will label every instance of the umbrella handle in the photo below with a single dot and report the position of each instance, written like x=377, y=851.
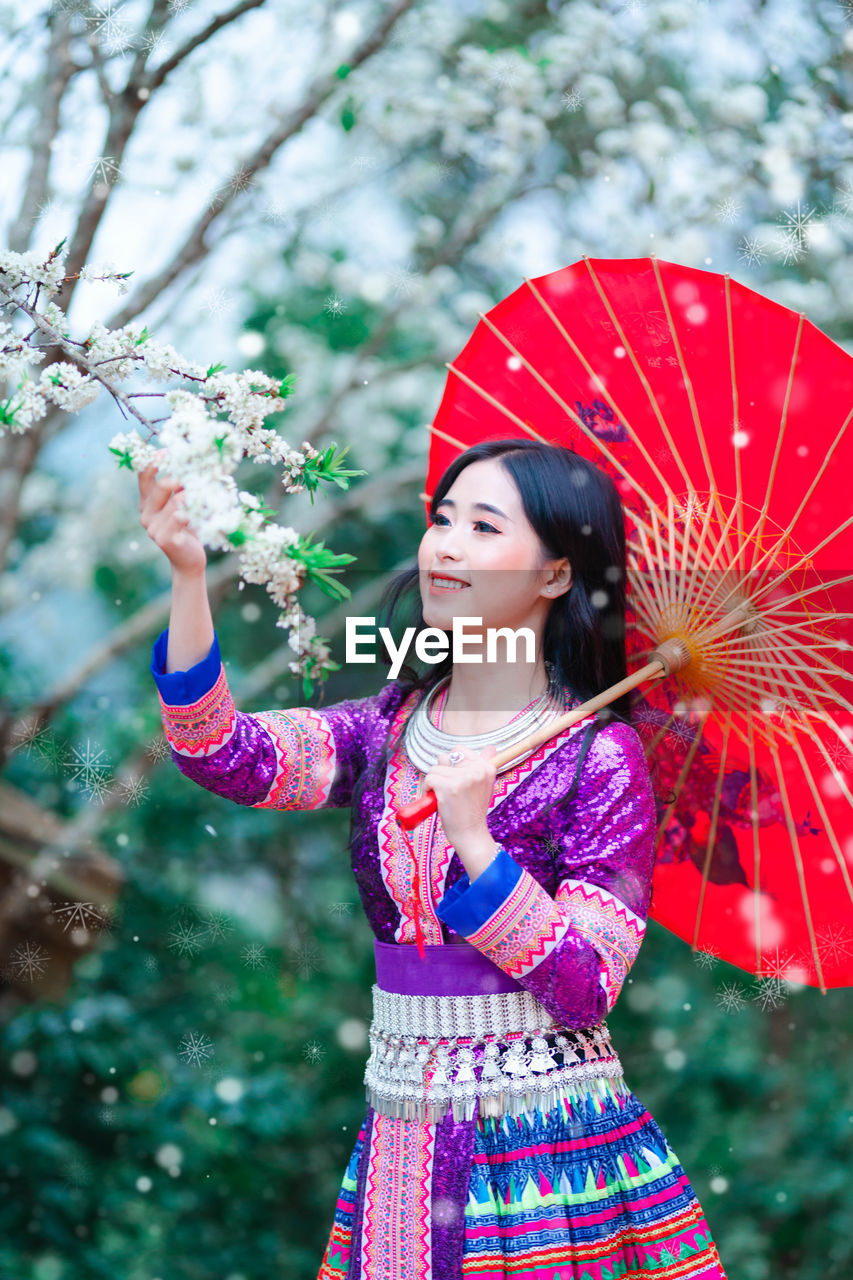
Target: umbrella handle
x=670, y=656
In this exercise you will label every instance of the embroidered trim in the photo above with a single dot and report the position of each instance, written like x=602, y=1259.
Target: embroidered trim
x=202, y=727
x=524, y=930
x=612, y=928
x=305, y=758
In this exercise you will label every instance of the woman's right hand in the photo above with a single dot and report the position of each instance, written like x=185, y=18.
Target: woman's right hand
x=160, y=503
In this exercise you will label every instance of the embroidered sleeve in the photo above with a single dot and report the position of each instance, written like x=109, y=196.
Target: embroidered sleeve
x=573, y=949
x=293, y=758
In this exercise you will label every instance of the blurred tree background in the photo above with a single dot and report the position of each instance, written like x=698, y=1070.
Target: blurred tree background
x=184, y=1105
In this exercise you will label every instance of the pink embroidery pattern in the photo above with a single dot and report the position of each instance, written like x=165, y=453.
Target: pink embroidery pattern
x=611, y=927
x=202, y=727
x=524, y=929
x=396, y=1240
x=305, y=758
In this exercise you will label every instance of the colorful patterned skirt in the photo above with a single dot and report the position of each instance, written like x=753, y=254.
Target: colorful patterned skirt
x=590, y=1190
x=576, y=1184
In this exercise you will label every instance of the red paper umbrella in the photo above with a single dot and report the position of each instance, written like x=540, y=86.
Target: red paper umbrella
x=723, y=419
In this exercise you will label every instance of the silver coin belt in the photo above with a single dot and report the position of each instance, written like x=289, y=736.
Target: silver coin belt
x=419, y=1070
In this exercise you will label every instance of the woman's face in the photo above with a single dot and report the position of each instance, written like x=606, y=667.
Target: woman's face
x=481, y=536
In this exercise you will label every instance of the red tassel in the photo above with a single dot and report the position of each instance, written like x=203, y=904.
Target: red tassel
x=419, y=932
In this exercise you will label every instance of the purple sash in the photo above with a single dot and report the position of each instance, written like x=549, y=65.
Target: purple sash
x=454, y=969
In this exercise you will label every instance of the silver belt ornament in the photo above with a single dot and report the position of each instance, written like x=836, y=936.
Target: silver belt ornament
x=413, y=1036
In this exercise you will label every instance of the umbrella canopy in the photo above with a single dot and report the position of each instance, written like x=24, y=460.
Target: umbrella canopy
x=723, y=418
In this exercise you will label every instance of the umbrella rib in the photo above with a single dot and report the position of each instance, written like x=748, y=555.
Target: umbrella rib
x=728, y=623
x=756, y=843
x=735, y=409
x=605, y=391
x=525, y=426
x=795, y=845
x=792, y=667
x=683, y=772
x=823, y=466
x=688, y=386
x=818, y=799
x=771, y=479
x=640, y=374
x=760, y=586
x=712, y=832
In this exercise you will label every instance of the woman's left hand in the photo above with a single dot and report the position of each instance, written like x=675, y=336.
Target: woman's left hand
x=463, y=794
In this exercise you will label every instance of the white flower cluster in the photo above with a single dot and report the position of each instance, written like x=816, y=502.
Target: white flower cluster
x=195, y=446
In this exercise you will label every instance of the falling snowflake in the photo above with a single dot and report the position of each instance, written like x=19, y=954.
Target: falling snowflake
x=442, y=170
x=224, y=992
x=109, y=27
x=219, y=303
x=705, y=957
x=364, y=162
x=254, y=956
x=690, y=510
x=51, y=206
x=402, y=281
x=77, y=1172
x=313, y=1051
x=195, y=1048
x=179, y=6
x=770, y=993
x=88, y=767
x=335, y=305
x=796, y=224
x=844, y=195
x=79, y=915
x=158, y=749
x=572, y=100
x=327, y=212
x=634, y=6
x=186, y=939
x=504, y=70
x=104, y=169
x=728, y=209
x=752, y=250
x=790, y=248
x=155, y=44
x=306, y=957
x=552, y=844
x=730, y=997
x=277, y=211
x=134, y=790
x=28, y=960
x=783, y=967
x=340, y=908
x=834, y=942
x=218, y=924
x=840, y=754
x=42, y=742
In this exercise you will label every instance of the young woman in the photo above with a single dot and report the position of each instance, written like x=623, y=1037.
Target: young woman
x=500, y=1138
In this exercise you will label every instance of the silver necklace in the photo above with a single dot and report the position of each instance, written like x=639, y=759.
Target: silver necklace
x=425, y=741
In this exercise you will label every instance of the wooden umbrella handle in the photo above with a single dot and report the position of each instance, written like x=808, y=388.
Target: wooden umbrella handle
x=670, y=657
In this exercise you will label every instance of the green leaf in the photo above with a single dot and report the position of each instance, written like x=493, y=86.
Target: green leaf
x=123, y=456
x=215, y=368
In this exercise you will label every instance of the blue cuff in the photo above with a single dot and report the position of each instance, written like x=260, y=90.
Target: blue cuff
x=179, y=688
x=466, y=907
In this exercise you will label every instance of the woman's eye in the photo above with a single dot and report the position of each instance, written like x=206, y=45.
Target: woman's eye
x=490, y=527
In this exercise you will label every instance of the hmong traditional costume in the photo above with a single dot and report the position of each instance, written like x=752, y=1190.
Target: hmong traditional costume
x=500, y=1138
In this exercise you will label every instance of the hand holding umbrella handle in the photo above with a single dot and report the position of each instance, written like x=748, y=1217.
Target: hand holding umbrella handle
x=669, y=656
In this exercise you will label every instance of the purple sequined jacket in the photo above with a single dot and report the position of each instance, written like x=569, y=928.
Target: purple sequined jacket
x=563, y=906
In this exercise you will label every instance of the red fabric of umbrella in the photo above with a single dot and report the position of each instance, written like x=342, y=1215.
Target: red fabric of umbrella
x=723, y=417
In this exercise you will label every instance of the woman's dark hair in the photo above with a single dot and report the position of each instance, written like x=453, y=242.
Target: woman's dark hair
x=575, y=509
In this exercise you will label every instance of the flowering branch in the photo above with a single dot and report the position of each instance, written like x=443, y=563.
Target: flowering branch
x=210, y=430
